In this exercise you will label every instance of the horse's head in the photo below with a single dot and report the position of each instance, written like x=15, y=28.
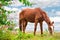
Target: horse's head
x=51, y=27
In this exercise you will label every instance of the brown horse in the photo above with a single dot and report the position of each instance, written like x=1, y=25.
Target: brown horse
x=36, y=15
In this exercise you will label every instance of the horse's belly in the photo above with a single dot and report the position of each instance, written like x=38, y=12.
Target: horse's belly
x=30, y=19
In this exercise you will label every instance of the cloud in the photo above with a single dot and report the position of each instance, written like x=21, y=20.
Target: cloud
x=16, y=3
x=10, y=9
x=14, y=9
x=58, y=13
x=7, y=8
x=46, y=3
x=55, y=19
x=38, y=3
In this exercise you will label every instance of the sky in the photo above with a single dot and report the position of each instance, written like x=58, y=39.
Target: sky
x=51, y=7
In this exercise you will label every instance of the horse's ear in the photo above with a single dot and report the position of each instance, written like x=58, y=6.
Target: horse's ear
x=53, y=22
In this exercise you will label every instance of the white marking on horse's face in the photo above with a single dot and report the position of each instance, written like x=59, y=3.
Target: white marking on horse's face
x=52, y=27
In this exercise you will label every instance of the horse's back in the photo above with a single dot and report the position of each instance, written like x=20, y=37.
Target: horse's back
x=31, y=14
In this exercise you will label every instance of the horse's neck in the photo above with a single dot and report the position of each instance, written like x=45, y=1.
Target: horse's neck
x=46, y=18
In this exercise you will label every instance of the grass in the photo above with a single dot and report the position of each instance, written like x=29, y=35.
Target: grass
x=45, y=36
x=17, y=35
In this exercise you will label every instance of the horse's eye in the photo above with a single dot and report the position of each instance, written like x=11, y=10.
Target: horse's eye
x=49, y=22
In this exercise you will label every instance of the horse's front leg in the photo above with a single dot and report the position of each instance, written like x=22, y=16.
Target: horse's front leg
x=41, y=28
x=36, y=21
x=20, y=25
x=25, y=24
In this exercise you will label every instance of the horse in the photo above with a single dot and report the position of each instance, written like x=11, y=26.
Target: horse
x=36, y=15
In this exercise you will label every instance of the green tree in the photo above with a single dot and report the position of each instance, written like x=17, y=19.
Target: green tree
x=3, y=14
x=26, y=2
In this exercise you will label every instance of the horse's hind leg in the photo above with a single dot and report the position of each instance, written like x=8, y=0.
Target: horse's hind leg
x=24, y=26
